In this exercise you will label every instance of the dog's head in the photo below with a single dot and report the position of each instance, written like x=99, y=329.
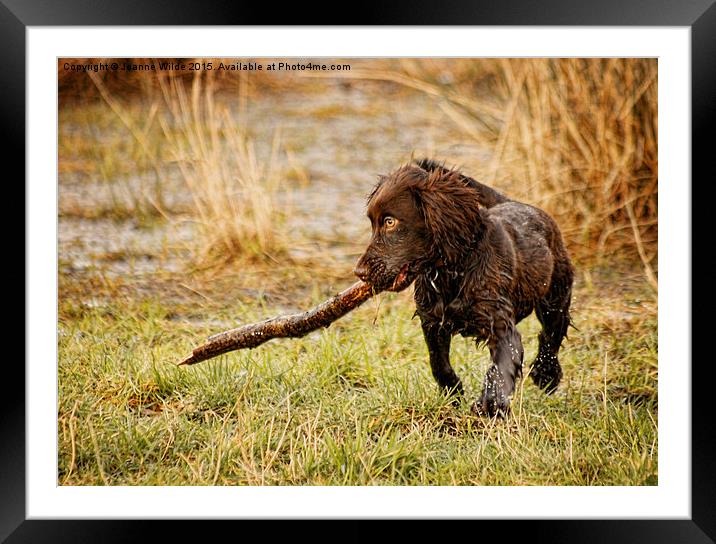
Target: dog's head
x=420, y=219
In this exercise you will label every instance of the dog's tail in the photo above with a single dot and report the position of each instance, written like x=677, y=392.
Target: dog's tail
x=488, y=196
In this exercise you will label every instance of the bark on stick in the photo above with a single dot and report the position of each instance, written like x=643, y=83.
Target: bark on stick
x=284, y=326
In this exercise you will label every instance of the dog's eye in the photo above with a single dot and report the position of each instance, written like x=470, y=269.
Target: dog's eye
x=390, y=222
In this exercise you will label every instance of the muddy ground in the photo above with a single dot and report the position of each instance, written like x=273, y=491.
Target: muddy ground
x=336, y=141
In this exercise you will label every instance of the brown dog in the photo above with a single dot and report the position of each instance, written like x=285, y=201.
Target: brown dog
x=481, y=263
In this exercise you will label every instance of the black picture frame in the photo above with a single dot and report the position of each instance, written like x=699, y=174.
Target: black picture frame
x=699, y=15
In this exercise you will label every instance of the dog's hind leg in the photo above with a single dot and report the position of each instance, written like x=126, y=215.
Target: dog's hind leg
x=438, y=341
x=553, y=313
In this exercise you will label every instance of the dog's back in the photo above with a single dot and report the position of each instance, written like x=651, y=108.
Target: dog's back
x=534, y=235
x=533, y=245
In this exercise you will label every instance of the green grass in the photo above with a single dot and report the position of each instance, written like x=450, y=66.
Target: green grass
x=351, y=405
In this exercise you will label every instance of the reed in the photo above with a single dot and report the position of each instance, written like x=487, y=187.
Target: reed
x=575, y=136
x=232, y=189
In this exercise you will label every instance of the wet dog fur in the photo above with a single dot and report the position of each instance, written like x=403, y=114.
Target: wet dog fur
x=481, y=263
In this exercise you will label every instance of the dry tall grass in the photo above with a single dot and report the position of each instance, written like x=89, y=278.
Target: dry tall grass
x=576, y=136
x=232, y=190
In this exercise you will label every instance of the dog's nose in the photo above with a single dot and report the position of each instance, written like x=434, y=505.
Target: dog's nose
x=361, y=270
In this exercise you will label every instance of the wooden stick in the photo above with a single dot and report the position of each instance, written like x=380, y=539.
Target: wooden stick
x=284, y=326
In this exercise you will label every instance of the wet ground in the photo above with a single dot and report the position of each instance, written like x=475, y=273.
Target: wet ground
x=338, y=140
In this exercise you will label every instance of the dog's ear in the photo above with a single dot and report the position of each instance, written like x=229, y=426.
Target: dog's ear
x=451, y=211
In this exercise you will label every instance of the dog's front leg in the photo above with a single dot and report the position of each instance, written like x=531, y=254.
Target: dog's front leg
x=507, y=354
x=438, y=341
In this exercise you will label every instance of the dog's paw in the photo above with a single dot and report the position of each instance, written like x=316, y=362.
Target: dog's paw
x=546, y=373
x=490, y=409
x=494, y=401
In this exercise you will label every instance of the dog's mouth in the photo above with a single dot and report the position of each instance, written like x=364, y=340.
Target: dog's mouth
x=403, y=279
